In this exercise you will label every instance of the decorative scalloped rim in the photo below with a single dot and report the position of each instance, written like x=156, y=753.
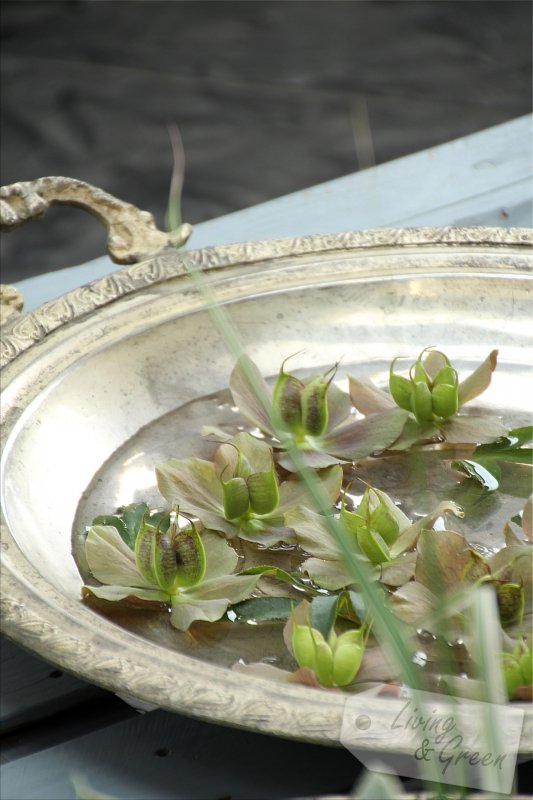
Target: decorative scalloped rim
x=80, y=643
x=23, y=332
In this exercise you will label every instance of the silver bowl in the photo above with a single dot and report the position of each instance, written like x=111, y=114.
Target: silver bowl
x=104, y=381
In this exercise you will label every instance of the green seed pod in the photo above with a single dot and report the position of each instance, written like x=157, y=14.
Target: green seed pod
x=286, y=405
x=400, y=388
x=144, y=550
x=421, y=404
x=323, y=660
x=347, y=656
x=373, y=546
x=447, y=375
x=264, y=491
x=510, y=598
x=418, y=374
x=517, y=668
x=303, y=645
x=315, y=407
x=445, y=400
x=383, y=522
x=236, y=498
x=189, y=555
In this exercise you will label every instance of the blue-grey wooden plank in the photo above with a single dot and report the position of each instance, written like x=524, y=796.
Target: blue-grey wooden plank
x=33, y=688
x=482, y=179
x=163, y=756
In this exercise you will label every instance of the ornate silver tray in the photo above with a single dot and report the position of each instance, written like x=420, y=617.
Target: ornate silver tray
x=104, y=381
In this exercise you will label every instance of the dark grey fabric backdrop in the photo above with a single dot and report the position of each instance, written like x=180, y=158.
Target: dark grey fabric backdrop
x=264, y=93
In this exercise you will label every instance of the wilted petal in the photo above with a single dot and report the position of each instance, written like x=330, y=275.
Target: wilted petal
x=479, y=380
x=413, y=603
x=339, y=406
x=116, y=593
x=442, y=559
x=368, y=398
x=295, y=493
x=399, y=571
x=473, y=429
x=110, y=559
x=248, y=387
x=362, y=437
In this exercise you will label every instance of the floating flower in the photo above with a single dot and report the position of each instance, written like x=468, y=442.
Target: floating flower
x=311, y=414
x=378, y=531
x=432, y=395
x=238, y=493
x=193, y=574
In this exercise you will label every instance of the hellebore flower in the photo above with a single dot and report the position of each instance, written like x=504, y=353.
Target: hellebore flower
x=238, y=494
x=335, y=660
x=447, y=567
x=378, y=531
x=193, y=574
x=311, y=414
x=432, y=395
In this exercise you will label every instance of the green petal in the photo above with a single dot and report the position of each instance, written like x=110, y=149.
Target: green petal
x=110, y=559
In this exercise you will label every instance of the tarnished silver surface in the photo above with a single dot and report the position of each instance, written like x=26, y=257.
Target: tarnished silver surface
x=85, y=374
x=132, y=233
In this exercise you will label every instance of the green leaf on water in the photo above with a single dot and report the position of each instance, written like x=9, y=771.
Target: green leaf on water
x=262, y=609
x=323, y=613
x=484, y=465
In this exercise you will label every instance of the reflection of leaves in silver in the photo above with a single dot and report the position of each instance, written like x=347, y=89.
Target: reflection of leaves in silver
x=344, y=439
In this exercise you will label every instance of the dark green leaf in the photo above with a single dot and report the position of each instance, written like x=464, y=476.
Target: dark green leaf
x=262, y=609
x=278, y=574
x=358, y=604
x=115, y=522
x=132, y=516
x=487, y=475
x=323, y=613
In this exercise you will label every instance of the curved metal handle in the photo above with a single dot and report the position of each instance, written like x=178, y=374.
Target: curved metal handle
x=132, y=233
